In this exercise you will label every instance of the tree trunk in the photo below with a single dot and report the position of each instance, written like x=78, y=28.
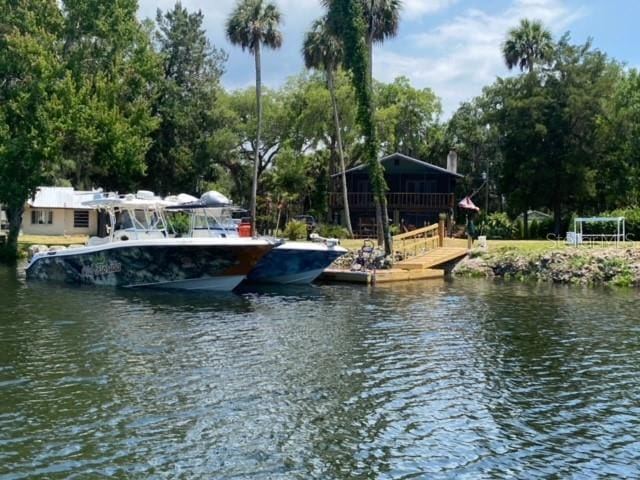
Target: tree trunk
x=379, y=224
x=343, y=176
x=382, y=215
x=256, y=167
x=14, y=216
x=557, y=218
x=525, y=224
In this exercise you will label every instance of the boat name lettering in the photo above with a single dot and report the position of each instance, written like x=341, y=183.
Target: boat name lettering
x=102, y=268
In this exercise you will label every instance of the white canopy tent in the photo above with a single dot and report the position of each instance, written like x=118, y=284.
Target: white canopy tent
x=578, y=236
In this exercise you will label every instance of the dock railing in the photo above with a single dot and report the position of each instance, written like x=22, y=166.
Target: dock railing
x=419, y=241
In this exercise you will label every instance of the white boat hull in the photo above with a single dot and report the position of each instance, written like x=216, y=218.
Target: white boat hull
x=208, y=284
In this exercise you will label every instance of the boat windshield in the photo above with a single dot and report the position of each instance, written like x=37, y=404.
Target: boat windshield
x=213, y=221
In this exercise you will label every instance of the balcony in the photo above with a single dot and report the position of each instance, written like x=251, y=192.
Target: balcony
x=434, y=202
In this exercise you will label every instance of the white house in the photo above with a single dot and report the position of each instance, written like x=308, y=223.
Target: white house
x=60, y=211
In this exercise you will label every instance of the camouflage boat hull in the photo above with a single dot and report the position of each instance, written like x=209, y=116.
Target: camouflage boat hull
x=192, y=264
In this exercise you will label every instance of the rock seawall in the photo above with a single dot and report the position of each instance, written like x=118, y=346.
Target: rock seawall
x=596, y=266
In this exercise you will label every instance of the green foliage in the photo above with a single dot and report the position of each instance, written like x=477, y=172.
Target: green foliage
x=180, y=156
x=540, y=229
x=498, y=225
x=405, y=118
x=30, y=112
x=179, y=223
x=632, y=220
x=619, y=137
x=547, y=121
x=347, y=18
x=252, y=24
x=295, y=230
x=332, y=231
x=528, y=45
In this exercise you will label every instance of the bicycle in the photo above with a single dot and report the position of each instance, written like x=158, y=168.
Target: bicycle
x=367, y=258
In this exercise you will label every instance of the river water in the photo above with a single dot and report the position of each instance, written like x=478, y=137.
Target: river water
x=460, y=379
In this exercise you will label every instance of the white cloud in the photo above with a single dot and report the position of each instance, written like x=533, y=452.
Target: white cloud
x=456, y=59
x=413, y=9
x=297, y=16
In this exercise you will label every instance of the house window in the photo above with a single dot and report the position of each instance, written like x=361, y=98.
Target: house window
x=41, y=217
x=81, y=219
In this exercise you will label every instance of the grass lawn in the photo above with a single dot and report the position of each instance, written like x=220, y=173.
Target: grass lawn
x=524, y=246
x=52, y=240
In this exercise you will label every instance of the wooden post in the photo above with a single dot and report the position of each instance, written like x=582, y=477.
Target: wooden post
x=441, y=229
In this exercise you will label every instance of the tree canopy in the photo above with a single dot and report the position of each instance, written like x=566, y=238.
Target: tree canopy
x=90, y=96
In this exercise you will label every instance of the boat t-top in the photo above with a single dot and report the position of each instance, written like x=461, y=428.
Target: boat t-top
x=289, y=263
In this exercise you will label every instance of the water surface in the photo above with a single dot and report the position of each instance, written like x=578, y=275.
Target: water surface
x=462, y=379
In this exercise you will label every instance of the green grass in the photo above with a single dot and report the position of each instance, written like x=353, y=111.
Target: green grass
x=52, y=240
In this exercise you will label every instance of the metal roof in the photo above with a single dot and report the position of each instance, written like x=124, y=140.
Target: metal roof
x=409, y=159
x=63, y=197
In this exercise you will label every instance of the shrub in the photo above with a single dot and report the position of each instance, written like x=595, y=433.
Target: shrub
x=632, y=221
x=295, y=230
x=179, y=223
x=332, y=231
x=498, y=225
x=539, y=229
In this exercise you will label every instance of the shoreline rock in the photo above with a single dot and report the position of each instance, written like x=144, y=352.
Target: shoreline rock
x=596, y=266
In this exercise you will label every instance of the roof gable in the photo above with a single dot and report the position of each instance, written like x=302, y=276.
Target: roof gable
x=406, y=164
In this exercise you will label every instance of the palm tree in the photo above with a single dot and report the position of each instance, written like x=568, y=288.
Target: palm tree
x=348, y=20
x=383, y=20
x=254, y=23
x=527, y=45
x=322, y=50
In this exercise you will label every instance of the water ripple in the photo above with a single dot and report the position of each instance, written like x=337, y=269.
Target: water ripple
x=462, y=380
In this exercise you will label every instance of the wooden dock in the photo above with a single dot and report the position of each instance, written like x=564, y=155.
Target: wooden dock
x=425, y=257
x=433, y=258
x=379, y=276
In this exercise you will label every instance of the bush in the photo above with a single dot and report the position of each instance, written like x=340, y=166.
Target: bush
x=332, y=231
x=295, y=230
x=498, y=225
x=632, y=221
x=539, y=229
x=179, y=223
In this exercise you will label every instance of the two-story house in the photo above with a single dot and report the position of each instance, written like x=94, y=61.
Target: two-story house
x=418, y=193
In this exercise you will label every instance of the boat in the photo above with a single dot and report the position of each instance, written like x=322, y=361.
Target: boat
x=141, y=251
x=288, y=263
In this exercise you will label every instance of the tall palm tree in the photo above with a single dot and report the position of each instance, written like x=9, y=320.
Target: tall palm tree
x=322, y=50
x=526, y=45
x=383, y=20
x=252, y=24
x=348, y=20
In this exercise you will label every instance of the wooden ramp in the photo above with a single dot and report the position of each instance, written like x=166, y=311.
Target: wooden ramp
x=433, y=258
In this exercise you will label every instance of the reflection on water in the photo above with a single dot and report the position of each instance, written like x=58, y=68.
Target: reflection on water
x=468, y=379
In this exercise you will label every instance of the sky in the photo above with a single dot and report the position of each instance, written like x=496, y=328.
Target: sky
x=450, y=46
